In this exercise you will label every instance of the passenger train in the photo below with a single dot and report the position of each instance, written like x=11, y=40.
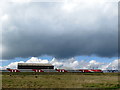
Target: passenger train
x=60, y=70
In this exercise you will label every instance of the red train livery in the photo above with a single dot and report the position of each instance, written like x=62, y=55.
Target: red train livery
x=56, y=70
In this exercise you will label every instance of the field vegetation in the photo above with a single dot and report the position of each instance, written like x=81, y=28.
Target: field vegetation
x=59, y=80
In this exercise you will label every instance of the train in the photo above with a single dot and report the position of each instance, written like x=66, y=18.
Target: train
x=60, y=70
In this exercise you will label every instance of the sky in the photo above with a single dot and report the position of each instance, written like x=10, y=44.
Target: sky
x=59, y=31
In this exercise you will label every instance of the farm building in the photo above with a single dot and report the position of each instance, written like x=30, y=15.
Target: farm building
x=35, y=66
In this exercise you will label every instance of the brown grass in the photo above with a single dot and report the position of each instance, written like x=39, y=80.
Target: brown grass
x=60, y=81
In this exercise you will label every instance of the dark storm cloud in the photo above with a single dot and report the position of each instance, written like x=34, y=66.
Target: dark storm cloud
x=36, y=29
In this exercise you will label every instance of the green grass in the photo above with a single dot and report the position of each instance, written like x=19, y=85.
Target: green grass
x=59, y=80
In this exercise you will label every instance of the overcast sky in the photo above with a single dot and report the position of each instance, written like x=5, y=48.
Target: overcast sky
x=59, y=29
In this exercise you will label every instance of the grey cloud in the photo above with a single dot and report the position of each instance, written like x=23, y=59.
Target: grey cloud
x=36, y=29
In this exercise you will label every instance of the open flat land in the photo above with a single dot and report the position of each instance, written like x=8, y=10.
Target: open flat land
x=59, y=80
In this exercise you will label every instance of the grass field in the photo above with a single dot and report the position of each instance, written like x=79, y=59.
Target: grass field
x=59, y=80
